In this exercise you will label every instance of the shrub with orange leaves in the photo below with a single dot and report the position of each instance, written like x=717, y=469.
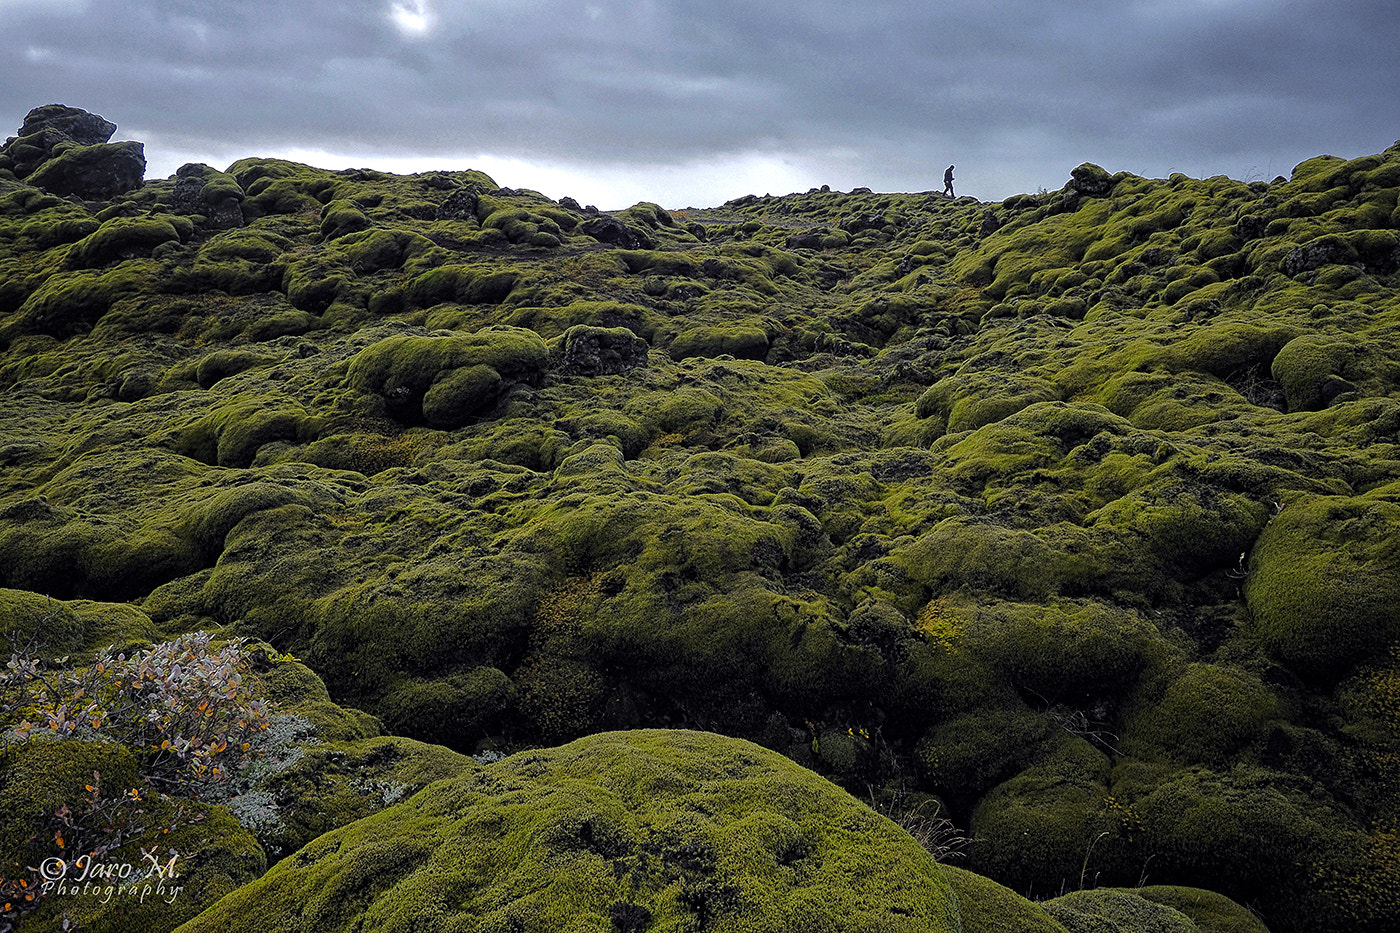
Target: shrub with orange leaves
x=187, y=711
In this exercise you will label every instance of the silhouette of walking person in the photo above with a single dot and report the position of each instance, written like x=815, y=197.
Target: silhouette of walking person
x=948, y=182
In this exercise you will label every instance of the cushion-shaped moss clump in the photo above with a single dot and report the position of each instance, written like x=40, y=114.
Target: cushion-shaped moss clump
x=1116, y=911
x=745, y=342
x=340, y=217
x=1036, y=828
x=461, y=283
x=1314, y=370
x=70, y=303
x=988, y=907
x=224, y=363
x=1205, y=716
x=1257, y=837
x=128, y=237
x=1211, y=912
x=213, y=854
x=1324, y=583
x=968, y=400
x=232, y=434
x=445, y=379
x=677, y=829
x=1068, y=650
x=452, y=399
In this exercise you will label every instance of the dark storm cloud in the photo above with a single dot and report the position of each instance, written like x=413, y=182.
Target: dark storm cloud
x=1021, y=91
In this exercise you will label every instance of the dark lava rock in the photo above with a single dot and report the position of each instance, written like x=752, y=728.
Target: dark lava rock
x=1091, y=181
x=459, y=205
x=93, y=173
x=1251, y=227
x=65, y=151
x=206, y=192
x=614, y=231
x=860, y=222
x=1324, y=251
x=598, y=351
x=811, y=239
x=83, y=128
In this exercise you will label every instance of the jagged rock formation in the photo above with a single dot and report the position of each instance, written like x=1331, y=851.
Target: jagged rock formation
x=66, y=151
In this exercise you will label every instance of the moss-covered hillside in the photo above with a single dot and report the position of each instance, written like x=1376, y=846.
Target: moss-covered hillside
x=1076, y=514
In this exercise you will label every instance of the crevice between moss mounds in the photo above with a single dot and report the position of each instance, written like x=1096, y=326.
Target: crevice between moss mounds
x=66, y=151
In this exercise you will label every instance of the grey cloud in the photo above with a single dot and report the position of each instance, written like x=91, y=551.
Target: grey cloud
x=1009, y=86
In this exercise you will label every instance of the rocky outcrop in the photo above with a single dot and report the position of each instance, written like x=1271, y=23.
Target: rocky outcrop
x=83, y=128
x=66, y=151
x=202, y=191
x=597, y=351
x=1091, y=181
x=610, y=230
x=459, y=205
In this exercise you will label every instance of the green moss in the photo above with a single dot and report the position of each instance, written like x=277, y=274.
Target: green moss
x=959, y=552
x=209, y=521
x=456, y=711
x=1205, y=716
x=550, y=839
x=1211, y=912
x=224, y=363
x=341, y=217
x=126, y=238
x=454, y=397
x=66, y=555
x=446, y=379
x=1225, y=830
x=969, y=754
x=376, y=250
x=987, y=907
x=233, y=434
x=1193, y=529
x=70, y=303
x=213, y=854
x=742, y=342
x=1038, y=828
x=1067, y=650
x=39, y=777
x=1324, y=585
x=283, y=196
x=467, y=284
x=1314, y=370
x=1049, y=542
x=967, y=402
x=49, y=625
x=1116, y=911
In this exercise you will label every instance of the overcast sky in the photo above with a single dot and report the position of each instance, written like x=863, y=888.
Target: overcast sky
x=693, y=102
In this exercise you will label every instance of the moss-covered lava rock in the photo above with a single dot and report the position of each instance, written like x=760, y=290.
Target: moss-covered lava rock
x=616, y=831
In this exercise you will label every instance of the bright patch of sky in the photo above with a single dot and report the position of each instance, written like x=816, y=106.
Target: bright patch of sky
x=412, y=18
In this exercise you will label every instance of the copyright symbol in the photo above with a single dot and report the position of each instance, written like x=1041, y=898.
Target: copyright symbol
x=52, y=869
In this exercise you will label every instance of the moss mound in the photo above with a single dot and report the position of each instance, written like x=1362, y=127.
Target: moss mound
x=617, y=830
